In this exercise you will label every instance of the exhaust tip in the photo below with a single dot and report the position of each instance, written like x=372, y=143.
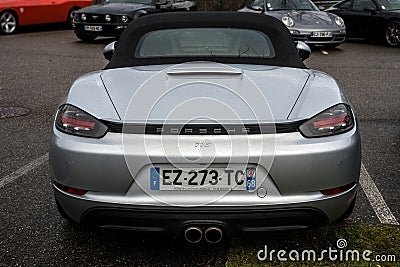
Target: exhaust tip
x=193, y=235
x=213, y=235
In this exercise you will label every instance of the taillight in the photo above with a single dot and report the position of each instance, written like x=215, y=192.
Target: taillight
x=335, y=120
x=337, y=190
x=70, y=190
x=72, y=120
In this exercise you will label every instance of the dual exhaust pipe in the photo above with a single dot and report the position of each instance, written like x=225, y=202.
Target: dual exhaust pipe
x=195, y=234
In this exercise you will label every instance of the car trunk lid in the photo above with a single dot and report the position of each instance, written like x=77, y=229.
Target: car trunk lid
x=204, y=92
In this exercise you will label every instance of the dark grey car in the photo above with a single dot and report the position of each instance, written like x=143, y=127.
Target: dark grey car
x=371, y=19
x=111, y=17
x=304, y=20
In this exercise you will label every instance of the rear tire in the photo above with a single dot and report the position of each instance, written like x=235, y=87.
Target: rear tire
x=392, y=33
x=85, y=37
x=8, y=22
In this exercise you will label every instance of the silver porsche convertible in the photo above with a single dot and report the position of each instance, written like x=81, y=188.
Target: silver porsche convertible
x=205, y=124
x=304, y=20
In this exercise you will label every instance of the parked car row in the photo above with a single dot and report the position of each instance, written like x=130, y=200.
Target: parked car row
x=372, y=19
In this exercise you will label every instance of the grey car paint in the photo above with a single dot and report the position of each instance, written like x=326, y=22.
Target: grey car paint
x=308, y=21
x=111, y=158
x=314, y=163
x=121, y=84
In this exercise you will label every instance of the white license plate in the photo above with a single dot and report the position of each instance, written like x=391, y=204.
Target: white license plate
x=203, y=179
x=91, y=28
x=321, y=34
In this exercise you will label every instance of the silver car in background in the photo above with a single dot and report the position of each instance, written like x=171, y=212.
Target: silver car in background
x=204, y=124
x=304, y=20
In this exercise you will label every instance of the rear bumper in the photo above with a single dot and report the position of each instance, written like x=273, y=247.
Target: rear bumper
x=230, y=218
x=174, y=221
x=119, y=197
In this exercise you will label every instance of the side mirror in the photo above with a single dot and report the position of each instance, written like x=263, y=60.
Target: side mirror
x=258, y=8
x=109, y=50
x=303, y=49
x=322, y=8
x=160, y=3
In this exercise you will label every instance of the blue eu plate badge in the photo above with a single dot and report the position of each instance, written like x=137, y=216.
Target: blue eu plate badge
x=155, y=178
x=251, y=179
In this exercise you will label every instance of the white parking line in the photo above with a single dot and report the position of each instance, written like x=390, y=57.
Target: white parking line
x=23, y=170
x=379, y=205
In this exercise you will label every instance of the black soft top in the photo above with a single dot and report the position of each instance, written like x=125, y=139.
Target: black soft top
x=286, y=54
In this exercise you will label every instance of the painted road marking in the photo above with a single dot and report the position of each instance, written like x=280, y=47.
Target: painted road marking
x=375, y=198
x=24, y=170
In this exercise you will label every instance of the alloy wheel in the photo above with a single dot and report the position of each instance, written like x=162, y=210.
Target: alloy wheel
x=8, y=23
x=393, y=33
x=71, y=15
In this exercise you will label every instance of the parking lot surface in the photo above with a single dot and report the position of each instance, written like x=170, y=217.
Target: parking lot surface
x=35, y=72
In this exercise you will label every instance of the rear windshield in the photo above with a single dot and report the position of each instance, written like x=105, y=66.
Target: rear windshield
x=205, y=42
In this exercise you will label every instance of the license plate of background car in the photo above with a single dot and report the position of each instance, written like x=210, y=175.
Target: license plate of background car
x=213, y=179
x=321, y=34
x=91, y=28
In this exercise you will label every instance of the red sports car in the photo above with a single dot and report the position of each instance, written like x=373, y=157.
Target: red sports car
x=15, y=13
